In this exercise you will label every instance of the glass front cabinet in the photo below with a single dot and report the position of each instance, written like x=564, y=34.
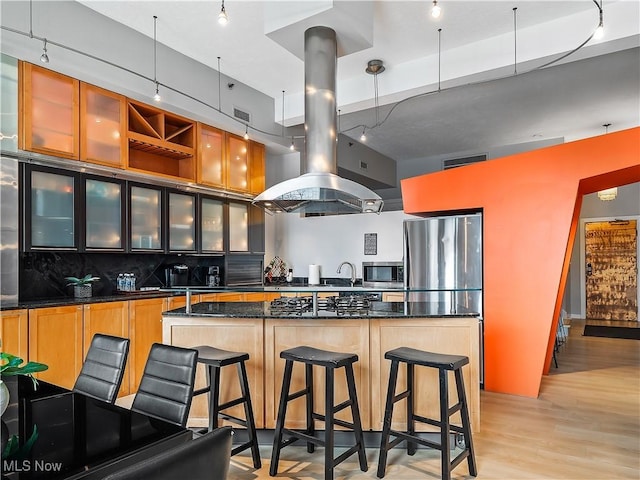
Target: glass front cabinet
x=104, y=214
x=51, y=203
x=211, y=224
x=182, y=222
x=145, y=217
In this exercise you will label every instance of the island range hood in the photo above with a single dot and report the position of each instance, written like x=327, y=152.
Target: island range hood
x=319, y=190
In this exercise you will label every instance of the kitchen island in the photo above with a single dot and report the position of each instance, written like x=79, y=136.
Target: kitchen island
x=264, y=331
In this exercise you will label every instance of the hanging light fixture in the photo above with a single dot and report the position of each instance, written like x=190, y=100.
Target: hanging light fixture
x=363, y=137
x=436, y=10
x=293, y=145
x=223, y=19
x=156, y=96
x=246, y=132
x=44, y=58
x=599, y=33
x=610, y=193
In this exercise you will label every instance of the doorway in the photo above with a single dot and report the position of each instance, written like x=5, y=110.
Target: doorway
x=611, y=270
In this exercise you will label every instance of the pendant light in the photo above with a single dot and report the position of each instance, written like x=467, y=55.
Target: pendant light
x=246, y=132
x=435, y=9
x=599, y=33
x=156, y=96
x=223, y=19
x=44, y=58
x=610, y=193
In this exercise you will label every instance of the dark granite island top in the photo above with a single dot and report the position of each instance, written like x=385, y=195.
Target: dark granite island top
x=375, y=310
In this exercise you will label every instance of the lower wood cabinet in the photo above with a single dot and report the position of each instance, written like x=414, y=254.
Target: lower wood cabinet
x=454, y=336
x=339, y=335
x=145, y=329
x=14, y=333
x=55, y=338
x=109, y=319
x=234, y=334
x=369, y=338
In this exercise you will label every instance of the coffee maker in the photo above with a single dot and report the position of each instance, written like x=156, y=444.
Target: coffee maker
x=176, y=275
x=213, y=277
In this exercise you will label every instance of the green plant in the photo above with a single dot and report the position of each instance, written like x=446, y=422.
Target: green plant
x=12, y=365
x=86, y=280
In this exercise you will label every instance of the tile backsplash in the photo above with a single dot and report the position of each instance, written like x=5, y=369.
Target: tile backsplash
x=42, y=274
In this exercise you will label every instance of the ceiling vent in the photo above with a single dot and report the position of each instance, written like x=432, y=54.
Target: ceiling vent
x=461, y=162
x=242, y=115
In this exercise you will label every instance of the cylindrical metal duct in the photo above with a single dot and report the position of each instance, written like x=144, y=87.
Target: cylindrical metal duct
x=320, y=60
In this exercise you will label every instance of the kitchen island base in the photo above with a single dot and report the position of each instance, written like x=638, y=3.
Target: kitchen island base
x=369, y=338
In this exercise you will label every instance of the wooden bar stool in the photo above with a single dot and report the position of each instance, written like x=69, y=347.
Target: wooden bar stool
x=330, y=361
x=214, y=359
x=443, y=363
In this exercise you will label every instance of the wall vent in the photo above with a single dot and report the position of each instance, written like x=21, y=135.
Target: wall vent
x=364, y=165
x=461, y=162
x=242, y=115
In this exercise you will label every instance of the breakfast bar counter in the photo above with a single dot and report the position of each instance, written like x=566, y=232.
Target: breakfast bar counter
x=261, y=331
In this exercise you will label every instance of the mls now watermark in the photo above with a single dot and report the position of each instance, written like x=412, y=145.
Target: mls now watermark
x=30, y=466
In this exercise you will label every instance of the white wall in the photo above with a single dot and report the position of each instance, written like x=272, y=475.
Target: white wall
x=328, y=241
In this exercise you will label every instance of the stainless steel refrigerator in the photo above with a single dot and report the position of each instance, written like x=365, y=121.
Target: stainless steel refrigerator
x=444, y=255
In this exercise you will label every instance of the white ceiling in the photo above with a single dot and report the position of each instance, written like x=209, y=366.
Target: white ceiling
x=572, y=99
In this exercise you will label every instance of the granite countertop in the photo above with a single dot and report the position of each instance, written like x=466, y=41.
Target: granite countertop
x=66, y=301
x=376, y=310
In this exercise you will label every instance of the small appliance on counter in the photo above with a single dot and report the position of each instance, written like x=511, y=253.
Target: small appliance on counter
x=213, y=277
x=177, y=275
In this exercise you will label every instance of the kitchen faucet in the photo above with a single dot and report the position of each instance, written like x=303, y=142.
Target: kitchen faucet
x=353, y=271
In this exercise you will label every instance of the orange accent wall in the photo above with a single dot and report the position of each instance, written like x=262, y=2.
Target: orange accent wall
x=531, y=206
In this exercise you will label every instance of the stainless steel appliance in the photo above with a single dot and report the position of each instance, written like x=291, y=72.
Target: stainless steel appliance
x=383, y=274
x=177, y=275
x=213, y=277
x=444, y=255
x=342, y=305
x=9, y=230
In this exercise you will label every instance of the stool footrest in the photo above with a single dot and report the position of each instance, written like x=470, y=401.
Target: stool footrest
x=401, y=396
x=233, y=419
x=336, y=421
x=302, y=436
x=342, y=406
x=456, y=408
x=414, y=439
x=297, y=394
x=200, y=391
x=343, y=456
x=232, y=403
x=241, y=448
x=461, y=456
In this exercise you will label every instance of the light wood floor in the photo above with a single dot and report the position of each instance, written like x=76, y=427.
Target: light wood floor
x=585, y=425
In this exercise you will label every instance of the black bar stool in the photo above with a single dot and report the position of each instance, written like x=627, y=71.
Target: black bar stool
x=443, y=363
x=330, y=361
x=214, y=359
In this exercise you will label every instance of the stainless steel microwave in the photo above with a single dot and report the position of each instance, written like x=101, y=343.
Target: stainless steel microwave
x=383, y=274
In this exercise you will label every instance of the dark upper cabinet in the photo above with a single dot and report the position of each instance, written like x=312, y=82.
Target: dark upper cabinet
x=103, y=228
x=51, y=205
x=212, y=222
x=146, y=218
x=65, y=210
x=181, y=221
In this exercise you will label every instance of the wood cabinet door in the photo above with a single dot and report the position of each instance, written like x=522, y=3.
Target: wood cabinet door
x=256, y=168
x=340, y=335
x=50, y=113
x=211, y=166
x=233, y=334
x=55, y=339
x=145, y=329
x=237, y=163
x=110, y=318
x=14, y=331
x=103, y=120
